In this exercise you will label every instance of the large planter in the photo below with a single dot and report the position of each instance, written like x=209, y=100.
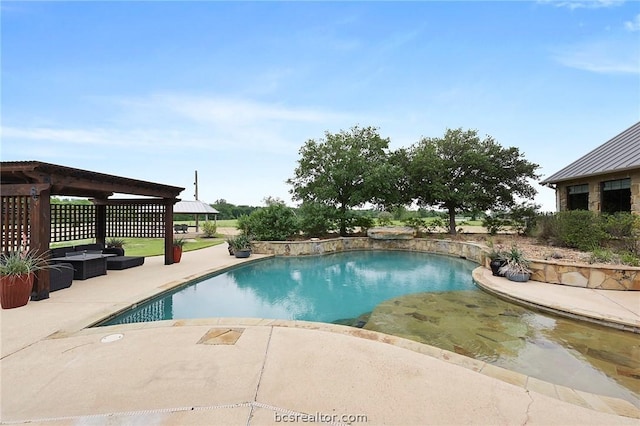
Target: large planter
x=495, y=266
x=177, y=254
x=518, y=276
x=242, y=253
x=16, y=290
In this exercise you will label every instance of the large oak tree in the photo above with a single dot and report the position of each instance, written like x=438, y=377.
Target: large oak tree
x=462, y=173
x=346, y=170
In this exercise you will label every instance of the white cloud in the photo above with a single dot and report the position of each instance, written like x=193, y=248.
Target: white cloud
x=583, y=4
x=603, y=57
x=166, y=122
x=633, y=25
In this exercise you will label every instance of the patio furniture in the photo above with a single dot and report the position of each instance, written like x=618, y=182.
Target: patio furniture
x=116, y=259
x=61, y=276
x=85, y=265
x=181, y=228
x=124, y=262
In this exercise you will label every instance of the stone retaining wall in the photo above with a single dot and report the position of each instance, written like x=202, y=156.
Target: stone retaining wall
x=587, y=276
x=612, y=277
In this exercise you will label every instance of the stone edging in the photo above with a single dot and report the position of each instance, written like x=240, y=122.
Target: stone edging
x=553, y=272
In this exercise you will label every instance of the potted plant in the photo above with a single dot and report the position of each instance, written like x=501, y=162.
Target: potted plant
x=231, y=243
x=115, y=243
x=241, y=245
x=497, y=258
x=517, y=266
x=178, y=243
x=17, y=272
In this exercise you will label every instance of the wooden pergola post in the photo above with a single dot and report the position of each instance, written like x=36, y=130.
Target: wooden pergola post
x=168, y=232
x=40, y=231
x=101, y=222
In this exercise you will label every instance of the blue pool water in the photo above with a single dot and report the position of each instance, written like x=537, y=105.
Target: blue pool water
x=319, y=288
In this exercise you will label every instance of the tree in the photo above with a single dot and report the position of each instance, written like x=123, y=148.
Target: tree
x=462, y=173
x=345, y=170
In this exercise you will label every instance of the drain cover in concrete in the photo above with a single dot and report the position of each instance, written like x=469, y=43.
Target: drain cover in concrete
x=112, y=338
x=221, y=336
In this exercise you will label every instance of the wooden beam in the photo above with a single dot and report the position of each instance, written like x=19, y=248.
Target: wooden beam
x=21, y=189
x=127, y=201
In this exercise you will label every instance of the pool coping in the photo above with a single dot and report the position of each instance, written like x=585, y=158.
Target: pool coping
x=601, y=403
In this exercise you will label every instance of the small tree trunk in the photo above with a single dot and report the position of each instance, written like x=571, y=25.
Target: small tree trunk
x=343, y=221
x=452, y=221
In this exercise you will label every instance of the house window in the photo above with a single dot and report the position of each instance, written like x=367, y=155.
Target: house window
x=578, y=197
x=616, y=196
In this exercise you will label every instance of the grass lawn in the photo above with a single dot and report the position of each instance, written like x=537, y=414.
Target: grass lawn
x=149, y=246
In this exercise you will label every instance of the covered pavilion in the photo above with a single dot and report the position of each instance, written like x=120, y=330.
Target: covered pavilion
x=196, y=208
x=29, y=218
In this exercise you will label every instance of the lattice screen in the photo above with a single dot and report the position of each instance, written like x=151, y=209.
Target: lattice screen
x=72, y=222
x=135, y=220
x=15, y=222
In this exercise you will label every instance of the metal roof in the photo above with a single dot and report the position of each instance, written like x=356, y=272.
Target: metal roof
x=193, y=207
x=618, y=154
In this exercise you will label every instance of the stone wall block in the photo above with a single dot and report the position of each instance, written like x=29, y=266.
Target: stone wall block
x=551, y=274
x=575, y=279
x=612, y=284
x=596, y=278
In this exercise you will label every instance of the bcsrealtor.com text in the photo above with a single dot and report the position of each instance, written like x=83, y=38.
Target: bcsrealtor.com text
x=319, y=418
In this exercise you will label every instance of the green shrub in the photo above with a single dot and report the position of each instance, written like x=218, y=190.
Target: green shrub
x=315, y=219
x=623, y=230
x=629, y=258
x=547, y=228
x=385, y=219
x=580, y=229
x=244, y=224
x=209, y=229
x=496, y=222
x=276, y=222
x=523, y=218
x=364, y=223
x=601, y=255
x=416, y=223
x=437, y=225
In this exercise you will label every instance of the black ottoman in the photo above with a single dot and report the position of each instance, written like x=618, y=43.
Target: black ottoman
x=123, y=262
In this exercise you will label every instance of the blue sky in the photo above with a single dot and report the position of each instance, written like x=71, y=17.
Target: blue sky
x=157, y=90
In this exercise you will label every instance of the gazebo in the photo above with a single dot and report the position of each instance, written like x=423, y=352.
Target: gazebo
x=27, y=213
x=195, y=208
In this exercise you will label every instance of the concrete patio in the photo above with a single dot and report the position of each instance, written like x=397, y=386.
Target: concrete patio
x=55, y=370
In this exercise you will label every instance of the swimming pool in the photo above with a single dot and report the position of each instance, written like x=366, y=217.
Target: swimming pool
x=326, y=288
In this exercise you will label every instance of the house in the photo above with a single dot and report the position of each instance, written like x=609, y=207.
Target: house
x=606, y=179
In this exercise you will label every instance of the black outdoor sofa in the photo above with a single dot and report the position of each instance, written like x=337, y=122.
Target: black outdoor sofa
x=117, y=262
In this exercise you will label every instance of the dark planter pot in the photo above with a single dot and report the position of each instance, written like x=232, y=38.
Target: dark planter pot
x=177, y=254
x=230, y=250
x=495, y=265
x=242, y=253
x=16, y=290
x=518, y=277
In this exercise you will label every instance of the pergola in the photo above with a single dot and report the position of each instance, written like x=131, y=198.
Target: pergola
x=27, y=213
